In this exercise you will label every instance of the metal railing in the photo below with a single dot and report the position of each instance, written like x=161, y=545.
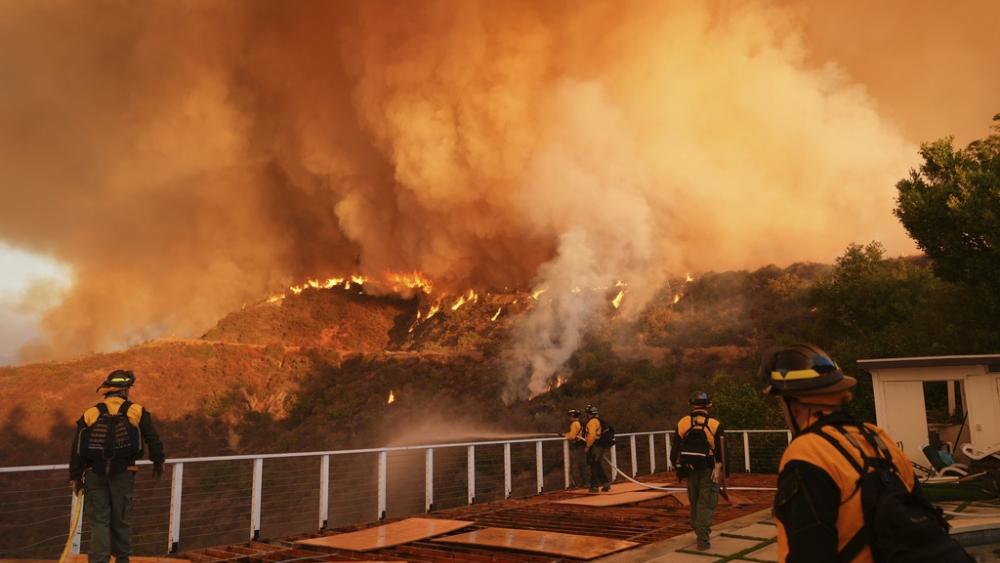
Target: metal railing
x=206, y=498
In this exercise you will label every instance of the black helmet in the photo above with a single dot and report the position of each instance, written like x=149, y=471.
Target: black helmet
x=574, y=413
x=591, y=410
x=119, y=379
x=802, y=369
x=700, y=398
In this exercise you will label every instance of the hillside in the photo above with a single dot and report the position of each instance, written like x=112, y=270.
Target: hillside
x=314, y=370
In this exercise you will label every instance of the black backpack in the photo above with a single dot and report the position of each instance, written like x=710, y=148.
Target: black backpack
x=110, y=437
x=901, y=526
x=695, y=450
x=607, y=437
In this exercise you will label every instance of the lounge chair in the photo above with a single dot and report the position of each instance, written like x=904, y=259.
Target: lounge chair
x=976, y=454
x=944, y=465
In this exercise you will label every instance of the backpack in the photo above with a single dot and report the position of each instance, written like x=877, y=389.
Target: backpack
x=901, y=526
x=607, y=437
x=696, y=452
x=111, y=436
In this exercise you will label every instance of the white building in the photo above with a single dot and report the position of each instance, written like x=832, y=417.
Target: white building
x=973, y=390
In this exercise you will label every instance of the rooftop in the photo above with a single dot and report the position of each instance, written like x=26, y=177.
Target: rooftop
x=990, y=360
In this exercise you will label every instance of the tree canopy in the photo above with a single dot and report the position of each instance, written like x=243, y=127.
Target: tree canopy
x=951, y=208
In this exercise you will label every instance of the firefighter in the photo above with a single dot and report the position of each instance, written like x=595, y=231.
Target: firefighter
x=697, y=455
x=595, y=447
x=109, y=440
x=846, y=492
x=577, y=449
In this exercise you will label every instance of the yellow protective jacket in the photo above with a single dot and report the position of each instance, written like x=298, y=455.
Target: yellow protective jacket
x=574, y=432
x=593, y=431
x=714, y=433
x=818, y=503
x=137, y=416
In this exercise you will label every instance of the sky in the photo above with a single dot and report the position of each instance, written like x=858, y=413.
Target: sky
x=164, y=163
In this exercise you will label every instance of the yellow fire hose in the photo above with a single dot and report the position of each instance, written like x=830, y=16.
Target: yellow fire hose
x=74, y=522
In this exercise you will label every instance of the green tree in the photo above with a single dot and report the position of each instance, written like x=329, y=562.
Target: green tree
x=951, y=208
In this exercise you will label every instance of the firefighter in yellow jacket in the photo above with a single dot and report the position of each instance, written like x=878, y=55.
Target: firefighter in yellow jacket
x=110, y=437
x=577, y=446
x=846, y=492
x=697, y=454
x=595, y=448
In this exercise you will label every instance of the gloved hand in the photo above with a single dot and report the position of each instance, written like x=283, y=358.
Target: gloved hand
x=716, y=472
x=157, y=470
x=78, y=486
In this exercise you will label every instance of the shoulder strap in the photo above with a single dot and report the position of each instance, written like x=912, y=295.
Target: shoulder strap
x=102, y=408
x=125, y=406
x=863, y=535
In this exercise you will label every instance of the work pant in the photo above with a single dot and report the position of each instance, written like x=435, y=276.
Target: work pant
x=577, y=465
x=704, y=496
x=109, y=504
x=595, y=459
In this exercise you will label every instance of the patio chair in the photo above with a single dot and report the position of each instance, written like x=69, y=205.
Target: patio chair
x=944, y=465
x=977, y=454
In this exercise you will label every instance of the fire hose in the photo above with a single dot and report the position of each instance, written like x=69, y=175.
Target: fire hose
x=74, y=522
x=678, y=489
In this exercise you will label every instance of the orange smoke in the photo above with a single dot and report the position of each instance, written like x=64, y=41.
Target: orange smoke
x=185, y=160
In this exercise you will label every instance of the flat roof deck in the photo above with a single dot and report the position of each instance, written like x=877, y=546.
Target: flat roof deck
x=644, y=522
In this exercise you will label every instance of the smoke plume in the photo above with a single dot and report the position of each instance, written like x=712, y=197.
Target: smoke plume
x=184, y=158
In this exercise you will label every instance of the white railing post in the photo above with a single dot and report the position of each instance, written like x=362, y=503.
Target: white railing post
x=565, y=444
x=632, y=452
x=429, y=480
x=258, y=477
x=383, y=463
x=746, y=451
x=324, y=491
x=507, y=488
x=539, y=468
x=614, y=462
x=471, y=469
x=652, y=455
x=666, y=440
x=789, y=436
x=174, y=524
x=76, y=504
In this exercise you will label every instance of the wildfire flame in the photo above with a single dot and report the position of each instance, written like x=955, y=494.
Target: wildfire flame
x=469, y=297
x=433, y=311
x=497, y=314
x=677, y=297
x=459, y=303
x=392, y=398
x=617, y=301
x=537, y=293
x=688, y=278
x=412, y=280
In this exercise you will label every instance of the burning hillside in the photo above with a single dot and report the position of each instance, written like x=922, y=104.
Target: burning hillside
x=216, y=153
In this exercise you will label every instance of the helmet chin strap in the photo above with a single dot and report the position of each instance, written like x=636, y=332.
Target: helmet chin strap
x=793, y=422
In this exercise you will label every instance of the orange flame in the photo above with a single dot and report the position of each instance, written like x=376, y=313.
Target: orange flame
x=496, y=315
x=276, y=298
x=617, y=301
x=459, y=303
x=392, y=398
x=537, y=293
x=433, y=311
x=677, y=297
x=688, y=278
x=412, y=280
